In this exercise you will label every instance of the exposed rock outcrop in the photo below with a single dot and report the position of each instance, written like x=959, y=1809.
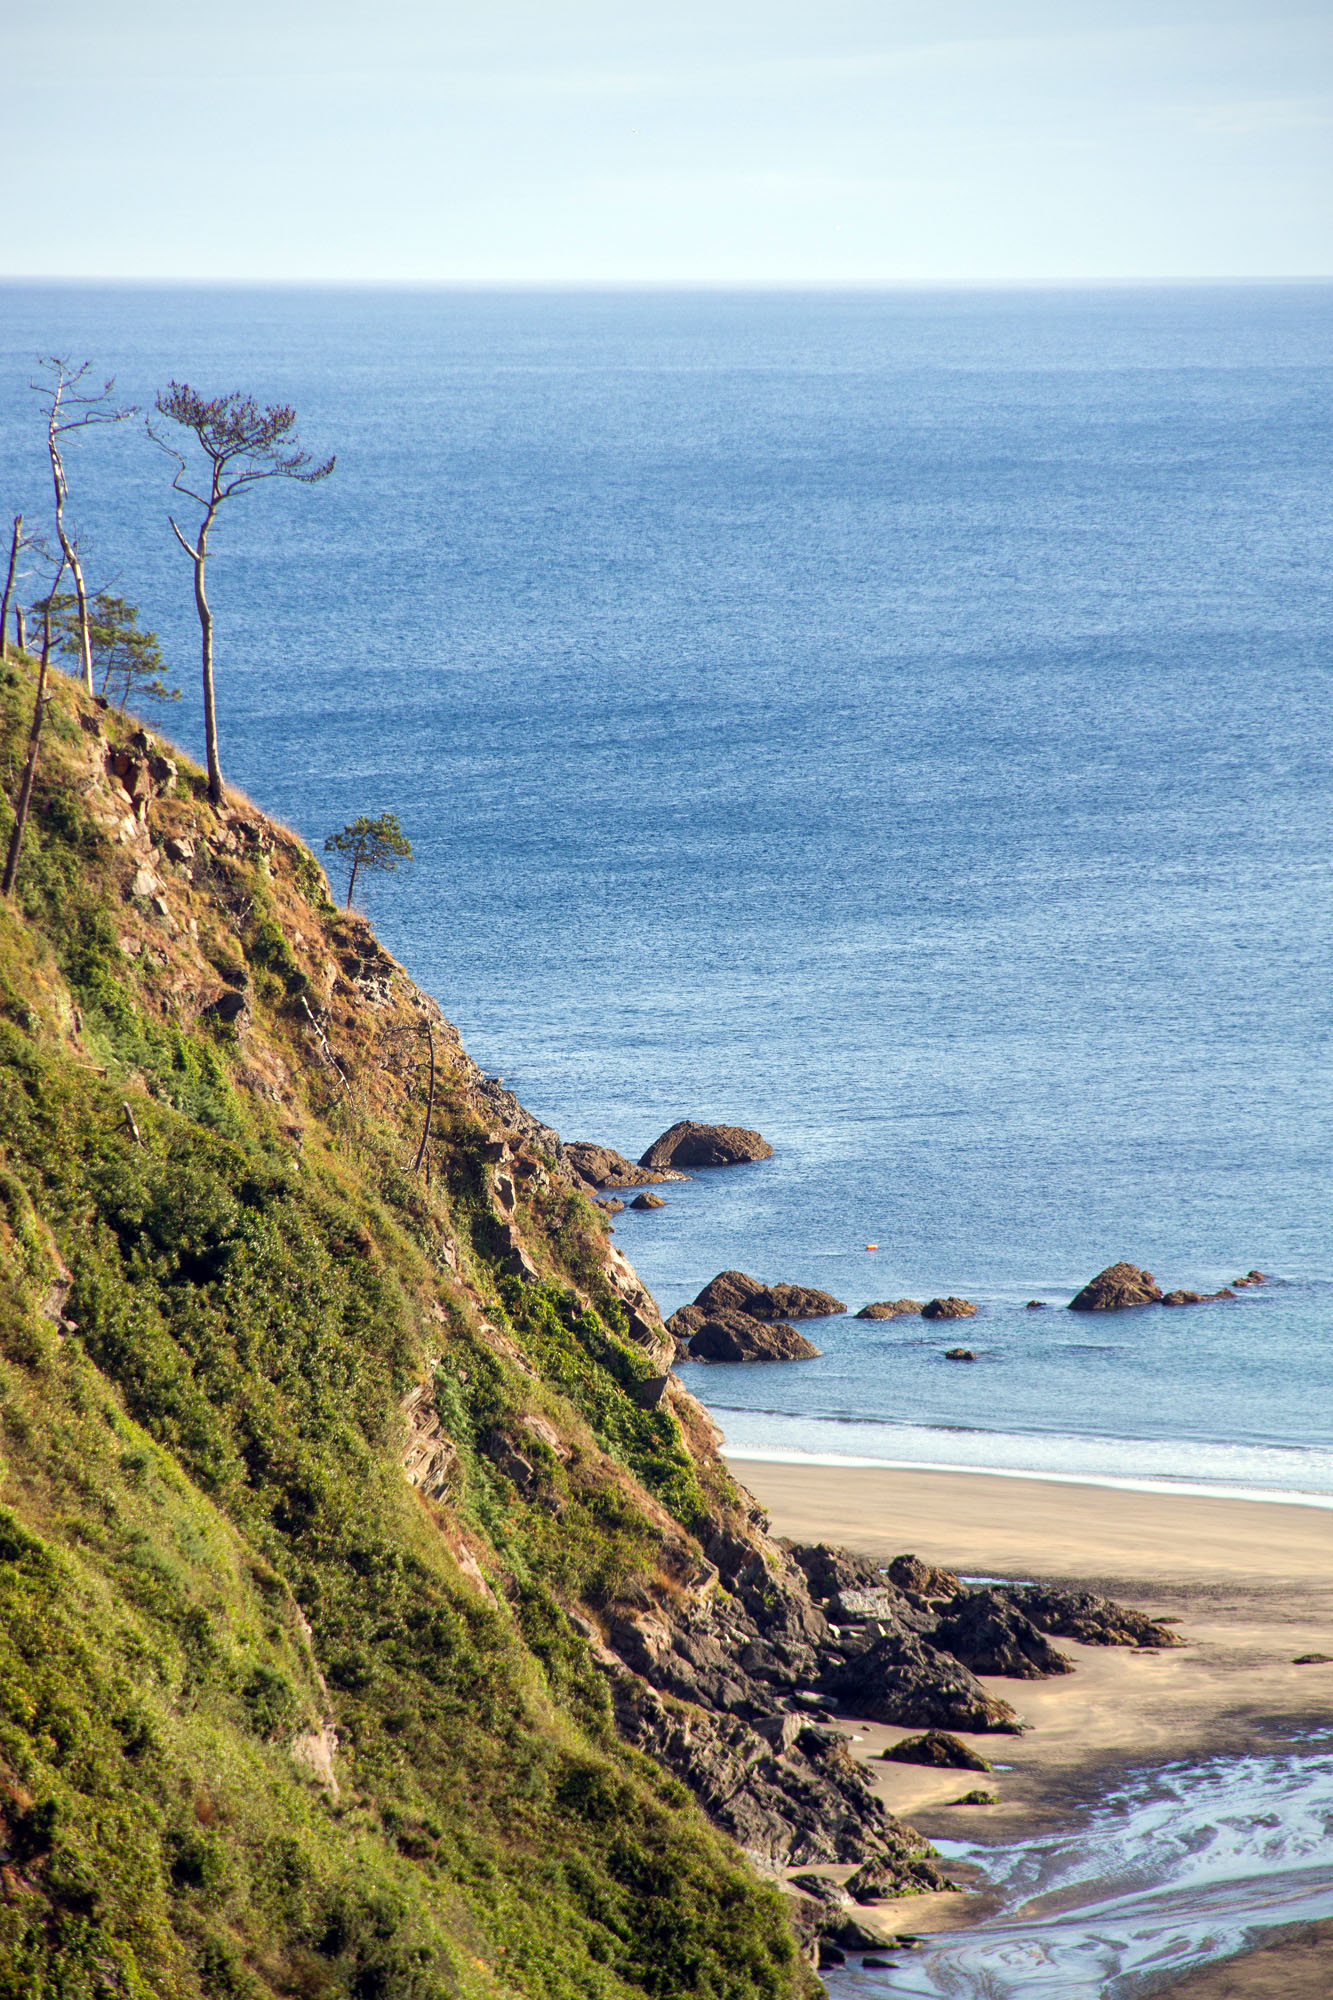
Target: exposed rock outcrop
x=647, y=1201
x=735, y=1336
x=891, y=1309
x=986, y=1631
x=736, y=1291
x=604, y=1167
x=950, y=1308
x=959, y=1354
x=901, y=1679
x=922, y=1581
x=1196, y=1298
x=690, y=1144
x=938, y=1749
x=1115, y=1288
x=908, y=1866
x=1097, y=1621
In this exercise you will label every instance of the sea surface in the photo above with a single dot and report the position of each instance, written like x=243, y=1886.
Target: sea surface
x=898, y=722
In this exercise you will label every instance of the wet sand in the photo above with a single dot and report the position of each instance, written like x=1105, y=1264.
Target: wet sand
x=1250, y=1584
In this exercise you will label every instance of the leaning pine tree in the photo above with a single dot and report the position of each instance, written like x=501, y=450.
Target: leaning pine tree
x=239, y=445
x=370, y=843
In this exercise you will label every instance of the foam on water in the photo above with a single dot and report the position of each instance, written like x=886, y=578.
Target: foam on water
x=1293, y=1476
x=1175, y=1868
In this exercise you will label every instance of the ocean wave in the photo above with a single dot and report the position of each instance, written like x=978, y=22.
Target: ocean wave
x=1295, y=1475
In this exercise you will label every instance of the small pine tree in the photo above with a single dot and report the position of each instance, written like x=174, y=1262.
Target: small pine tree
x=127, y=662
x=370, y=843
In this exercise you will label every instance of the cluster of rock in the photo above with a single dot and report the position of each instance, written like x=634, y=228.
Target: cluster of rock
x=1123, y=1285
x=602, y=1167
x=733, y=1683
x=686, y=1144
x=739, y=1318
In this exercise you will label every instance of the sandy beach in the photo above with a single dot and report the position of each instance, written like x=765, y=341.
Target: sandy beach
x=1249, y=1584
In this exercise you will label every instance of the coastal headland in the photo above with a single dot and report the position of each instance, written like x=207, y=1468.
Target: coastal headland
x=377, y=1612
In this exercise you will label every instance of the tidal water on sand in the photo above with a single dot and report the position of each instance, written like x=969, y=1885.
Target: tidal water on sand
x=1174, y=1868
x=898, y=722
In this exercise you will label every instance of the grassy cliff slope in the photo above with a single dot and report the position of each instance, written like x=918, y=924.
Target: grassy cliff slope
x=319, y=1475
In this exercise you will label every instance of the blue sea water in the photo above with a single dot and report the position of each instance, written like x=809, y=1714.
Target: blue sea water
x=899, y=722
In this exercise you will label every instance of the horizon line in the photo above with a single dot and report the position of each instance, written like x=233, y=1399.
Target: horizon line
x=1128, y=282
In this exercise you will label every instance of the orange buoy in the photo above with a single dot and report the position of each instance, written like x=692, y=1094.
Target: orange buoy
x=872, y=1246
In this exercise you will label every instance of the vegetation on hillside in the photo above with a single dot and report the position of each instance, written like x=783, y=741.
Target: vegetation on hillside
x=274, y=1720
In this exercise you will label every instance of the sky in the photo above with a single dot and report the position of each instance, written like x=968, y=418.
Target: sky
x=855, y=142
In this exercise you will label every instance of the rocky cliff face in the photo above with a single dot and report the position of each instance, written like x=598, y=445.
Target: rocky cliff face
x=376, y=1612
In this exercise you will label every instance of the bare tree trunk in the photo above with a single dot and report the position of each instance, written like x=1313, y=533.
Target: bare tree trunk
x=29, y=770
x=71, y=554
x=198, y=554
x=22, y=628
x=16, y=542
x=430, y=1104
x=356, y=863
x=210, y=710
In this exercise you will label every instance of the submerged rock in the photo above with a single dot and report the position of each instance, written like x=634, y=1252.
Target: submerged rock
x=689, y=1144
x=1118, y=1286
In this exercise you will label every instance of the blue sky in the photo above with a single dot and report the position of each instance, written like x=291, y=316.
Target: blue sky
x=577, y=141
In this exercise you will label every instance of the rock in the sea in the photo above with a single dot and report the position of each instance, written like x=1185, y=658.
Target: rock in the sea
x=689, y=1144
x=1097, y=1621
x=890, y=1309
x=1251, y=1278
x=948, y=1309
x=1118, y=1286
x=919, y=1579
x=647, y=1201
x=1196, y=1298
x=900, y=1679
x=736, y=1291
x=937, y=1748
x=986, y=1631
x=604, y=1167
x=611, y=1206
x=734, y=1336
x=977, y=1798
x=1035, y=1306
x=959, y=1354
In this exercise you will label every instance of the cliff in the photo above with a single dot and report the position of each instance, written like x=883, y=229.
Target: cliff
x=376, y=1615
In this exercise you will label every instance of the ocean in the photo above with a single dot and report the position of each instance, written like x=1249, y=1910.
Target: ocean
x=895, y=721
